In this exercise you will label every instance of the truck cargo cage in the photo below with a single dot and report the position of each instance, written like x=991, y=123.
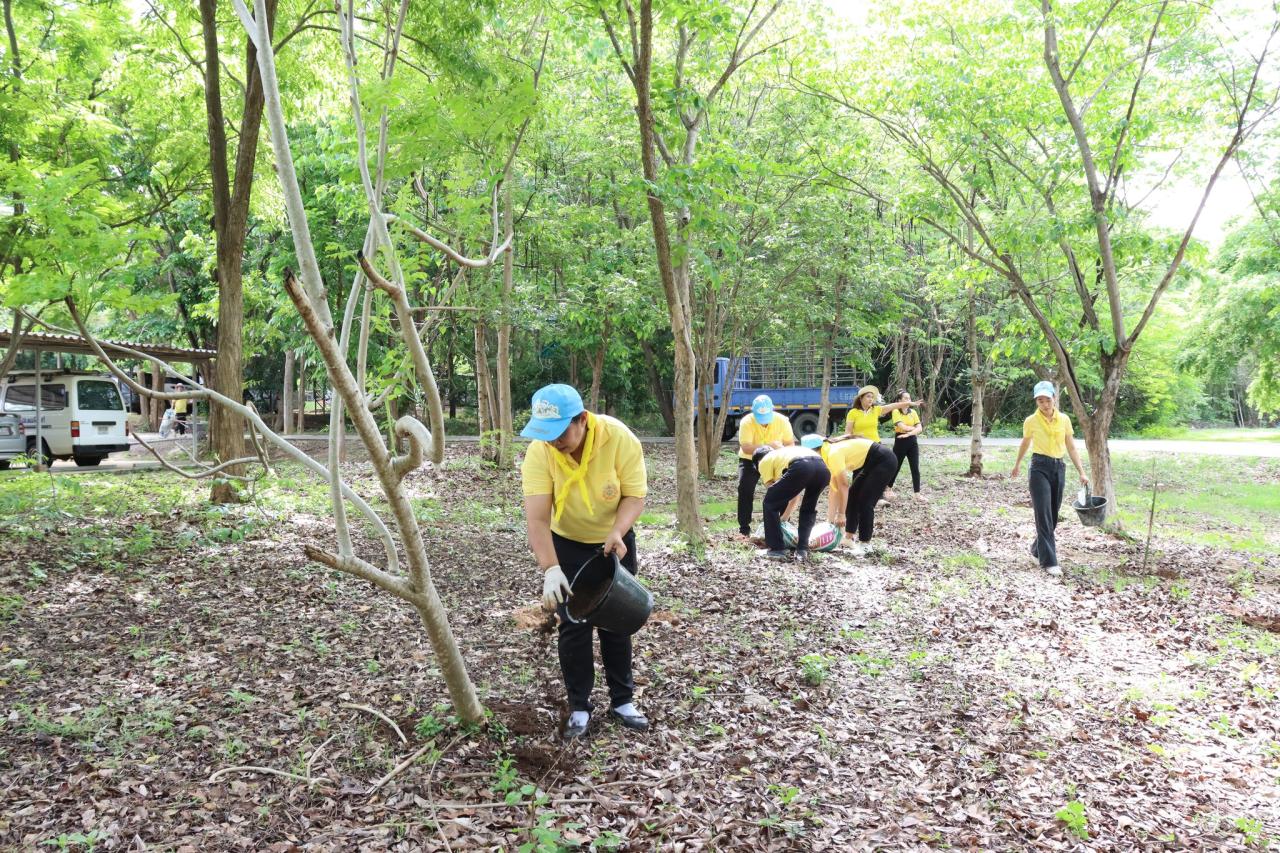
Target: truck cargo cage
x=794, y=367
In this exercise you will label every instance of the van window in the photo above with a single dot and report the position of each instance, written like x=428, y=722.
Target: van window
x=22, y=398
x=98, y=396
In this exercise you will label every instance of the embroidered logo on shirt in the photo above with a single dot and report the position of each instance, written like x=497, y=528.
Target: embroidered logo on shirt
x=610, y=491
x=545, y=410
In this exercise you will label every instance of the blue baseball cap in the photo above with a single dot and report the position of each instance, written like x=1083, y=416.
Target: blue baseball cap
x=762, y=408
x=812, y=441
x=553, y=407
x=1045, y=388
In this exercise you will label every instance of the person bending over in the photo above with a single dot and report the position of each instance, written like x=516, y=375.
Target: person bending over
x=789, y=472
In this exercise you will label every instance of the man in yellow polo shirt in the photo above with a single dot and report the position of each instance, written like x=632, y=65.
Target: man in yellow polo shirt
x=1049, y=435
x=584, y=487
x=761, y=428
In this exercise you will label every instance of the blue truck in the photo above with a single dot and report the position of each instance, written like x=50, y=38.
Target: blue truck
x=793, y=380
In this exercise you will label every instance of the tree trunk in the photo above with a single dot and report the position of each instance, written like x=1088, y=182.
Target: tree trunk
x=484, y=392
x=506, y=425
x=976, y=418
x=597, y=368
x=230, y=221
x=286, y=394
x=655, y=385
x=300, y=399
x=977, y=377
x=144, y=403
x=157, y=410
x=828, y=357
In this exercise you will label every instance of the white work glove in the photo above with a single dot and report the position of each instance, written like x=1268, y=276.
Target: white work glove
x=555, y=588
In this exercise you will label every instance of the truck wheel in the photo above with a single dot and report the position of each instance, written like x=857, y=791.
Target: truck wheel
x=45, y=458
x=87, y=461
x=730, y=428
x=4, y=464
x=804, y=423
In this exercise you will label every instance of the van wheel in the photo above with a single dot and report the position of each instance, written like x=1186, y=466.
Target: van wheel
x=46, y=458
x=805, y=423
x=4, y=464
x=88, y=461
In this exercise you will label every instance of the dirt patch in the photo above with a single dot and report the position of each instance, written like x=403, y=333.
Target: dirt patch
x=534, y=618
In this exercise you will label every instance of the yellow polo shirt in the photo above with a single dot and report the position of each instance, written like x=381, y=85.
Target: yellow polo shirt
x=904, y=421
x=865, y=424
x=776, y=461
x=1048, y=437
x=751, y=432
x=847, y=455
x=616, y=470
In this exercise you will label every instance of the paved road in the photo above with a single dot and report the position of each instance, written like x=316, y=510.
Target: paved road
x=140, y=460
x=1267, y=449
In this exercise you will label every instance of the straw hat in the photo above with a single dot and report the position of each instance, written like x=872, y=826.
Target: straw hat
x=868, y=389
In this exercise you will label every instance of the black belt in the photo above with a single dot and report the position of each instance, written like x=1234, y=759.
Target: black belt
x=1047, y=458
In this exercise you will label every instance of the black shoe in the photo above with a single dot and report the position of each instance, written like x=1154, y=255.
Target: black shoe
x=777, y=554
x=635, y=722
x=572, y=732
x=802, y=555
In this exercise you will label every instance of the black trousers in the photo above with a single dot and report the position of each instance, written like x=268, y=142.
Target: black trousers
x=866, y=490
x=908, y=449
x=577, y=664
x=807, y=474
x=1047, y=480
x=748, y=478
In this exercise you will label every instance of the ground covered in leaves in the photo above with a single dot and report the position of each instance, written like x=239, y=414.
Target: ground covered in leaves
x=178, y=677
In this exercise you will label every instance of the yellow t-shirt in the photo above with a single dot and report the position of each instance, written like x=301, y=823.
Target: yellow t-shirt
x=776, y=461
x=180, y=406
x=1048, y=437
x=615, y=470
x=865, y=424
x=847, y=455
x=751, y=432
x=903, y=421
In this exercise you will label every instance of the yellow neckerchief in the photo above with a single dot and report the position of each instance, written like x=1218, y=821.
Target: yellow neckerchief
x=1051, y=420
x=576, y=475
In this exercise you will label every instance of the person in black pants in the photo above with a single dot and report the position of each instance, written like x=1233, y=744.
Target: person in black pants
x=906, y=426
x=1049, y=435
x=584, y=484
x=789, y=471
x=761, y=428
x=866, y=490
x=576, y=660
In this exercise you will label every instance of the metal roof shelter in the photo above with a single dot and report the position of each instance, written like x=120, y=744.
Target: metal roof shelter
x=76, y=345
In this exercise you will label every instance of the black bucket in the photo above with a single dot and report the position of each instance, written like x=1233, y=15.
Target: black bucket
x=608, y=596
x=1093, y=511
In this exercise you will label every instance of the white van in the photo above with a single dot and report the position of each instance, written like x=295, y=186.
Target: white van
x=82, y=414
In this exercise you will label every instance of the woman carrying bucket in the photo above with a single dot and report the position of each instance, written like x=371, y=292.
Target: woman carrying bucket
x=864, y=418
x=1049, y=434
x=584, y=486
